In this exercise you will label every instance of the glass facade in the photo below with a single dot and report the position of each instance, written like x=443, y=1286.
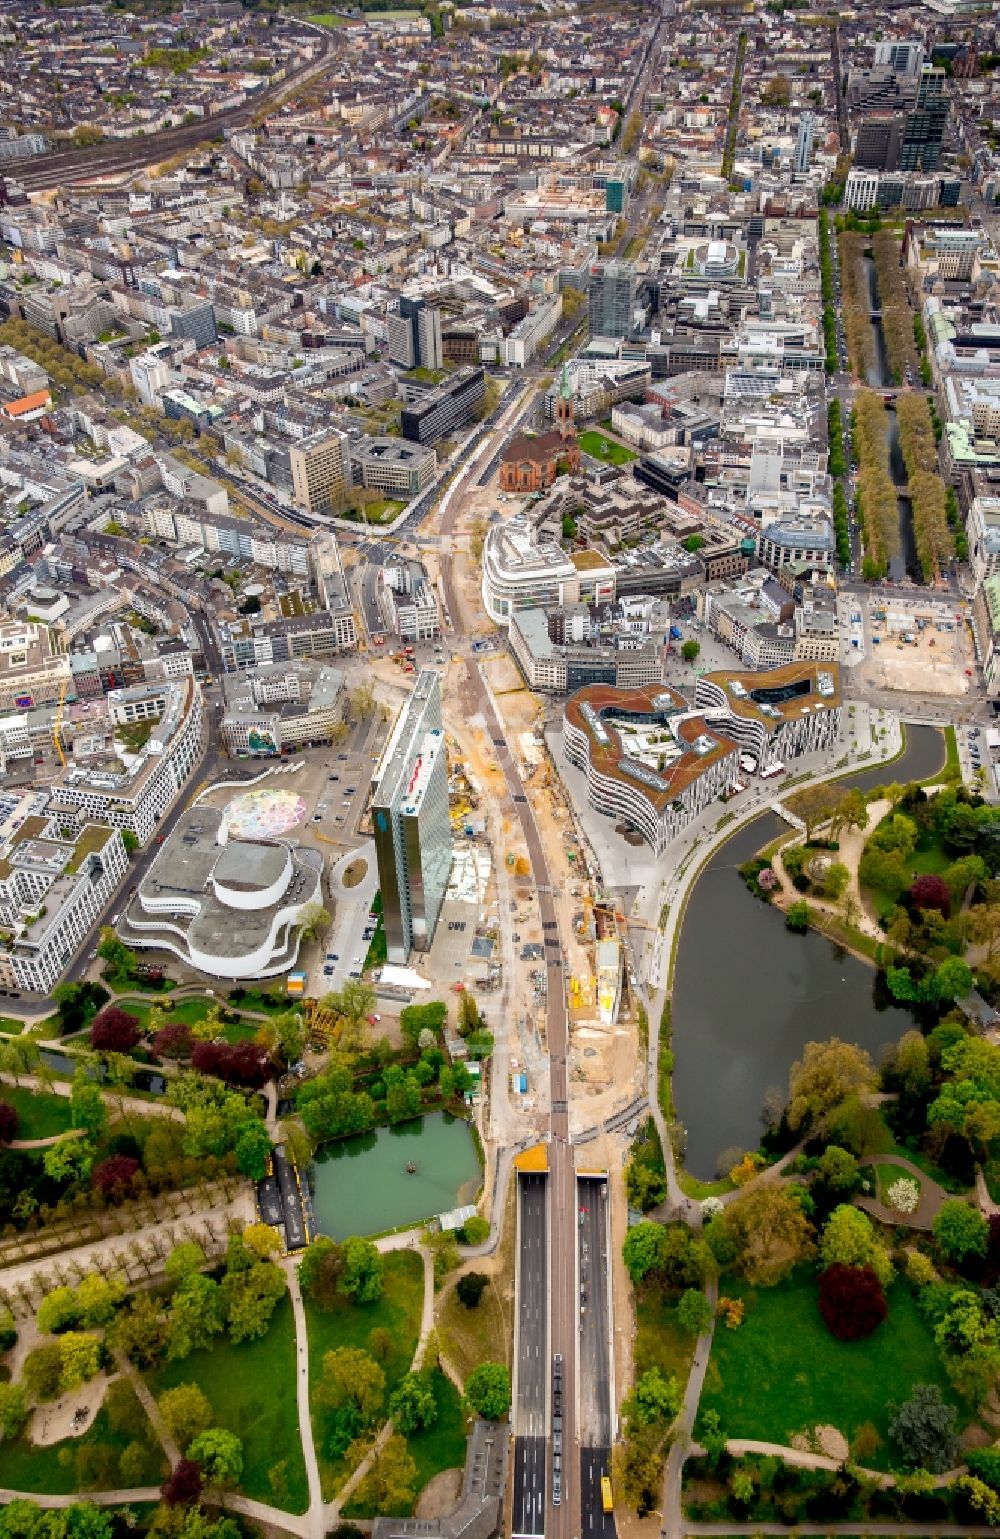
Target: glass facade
x=412, y=823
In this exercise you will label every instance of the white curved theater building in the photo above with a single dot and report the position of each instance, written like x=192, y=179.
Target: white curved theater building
x=229, y=907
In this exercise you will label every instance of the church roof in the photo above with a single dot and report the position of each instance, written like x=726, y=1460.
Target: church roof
x=544, y=447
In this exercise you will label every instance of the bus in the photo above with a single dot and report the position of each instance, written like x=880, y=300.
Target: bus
x=607, y=1498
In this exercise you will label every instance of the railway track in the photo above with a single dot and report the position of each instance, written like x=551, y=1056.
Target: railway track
x=70, y=167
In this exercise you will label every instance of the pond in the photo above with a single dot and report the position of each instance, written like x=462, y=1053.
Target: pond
x=62, y=1063
x=748, y=995
x=364, y=1185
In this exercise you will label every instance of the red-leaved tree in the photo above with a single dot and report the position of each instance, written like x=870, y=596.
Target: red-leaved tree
x=183, y=1485
x=113, y=1030
x=930, y=891
x=851, y=1301
x=173, y=1041
x=238, y=1063
x=8, y=1122
x=115, y=1175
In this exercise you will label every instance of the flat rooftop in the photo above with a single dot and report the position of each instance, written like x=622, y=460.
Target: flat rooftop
x=183, y=871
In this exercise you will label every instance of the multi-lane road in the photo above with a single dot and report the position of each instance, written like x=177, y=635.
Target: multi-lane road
x=596, y=1413
x=532, y=1367
x=531, y=1463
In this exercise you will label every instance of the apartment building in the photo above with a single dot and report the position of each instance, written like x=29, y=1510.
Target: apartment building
x=134, y=795
x=53, y=887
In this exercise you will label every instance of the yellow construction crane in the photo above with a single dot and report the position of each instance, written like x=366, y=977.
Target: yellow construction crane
x=57, y=723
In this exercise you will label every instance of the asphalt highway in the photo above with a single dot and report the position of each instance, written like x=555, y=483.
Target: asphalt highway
x=595, y=1373
x=563, y=1520
x=533, y=1365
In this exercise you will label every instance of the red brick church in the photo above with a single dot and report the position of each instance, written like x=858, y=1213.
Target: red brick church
x=530, y=464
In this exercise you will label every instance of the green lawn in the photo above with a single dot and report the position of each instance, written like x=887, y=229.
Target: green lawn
x=781, y=1371
x=187, y=1012
x=253, y=999
x=692, y=1187
x=659, y=1341
x=600, y=448
x=932, y=860
x=440, y=1447
x=886, y=1175
x=10, y=1027
x=349, y=1325
x=381, y=510
x=329, y=20
x=251, y=1389
x=40, y=1115
x=951, y=764
x=886, y=1144
x=60, y=1469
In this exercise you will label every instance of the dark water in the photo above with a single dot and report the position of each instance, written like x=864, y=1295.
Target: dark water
x=904, y=564
x=748, y=995
x=143, y=1079
x=363, y=1185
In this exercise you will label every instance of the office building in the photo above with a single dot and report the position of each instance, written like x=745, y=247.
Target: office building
x=923, y=133
x=878, y=143
x=902, y=58
x=321, y=471
x=611, y=294
x=804, y=141
x=412, y=823
x=280, y=707
x=413, y=334
x=450, y=405
x=196, y=323
x=523, y=570
x=392, y=467
x=34, y=668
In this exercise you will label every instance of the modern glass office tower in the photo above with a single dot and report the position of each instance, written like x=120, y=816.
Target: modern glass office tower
x=412, y=822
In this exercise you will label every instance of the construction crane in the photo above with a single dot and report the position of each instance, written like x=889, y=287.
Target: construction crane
x=57, y=723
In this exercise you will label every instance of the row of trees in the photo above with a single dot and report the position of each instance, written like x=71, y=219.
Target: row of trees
x=854, y=299
x=828, y=293
x=900, y=348
x=876, y=497
x=63, y=367
x=932, y=532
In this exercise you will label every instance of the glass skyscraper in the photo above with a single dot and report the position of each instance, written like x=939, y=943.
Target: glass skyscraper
x=412, y=822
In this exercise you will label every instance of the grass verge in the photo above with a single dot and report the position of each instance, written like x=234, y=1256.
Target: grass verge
x=659, y=1341
x=472, y=1336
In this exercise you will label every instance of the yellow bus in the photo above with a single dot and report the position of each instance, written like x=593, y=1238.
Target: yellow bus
x=607, y=1498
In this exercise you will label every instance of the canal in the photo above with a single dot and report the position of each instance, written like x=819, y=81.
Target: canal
x=748, y=994
x=395, y=1176
x=903, y=563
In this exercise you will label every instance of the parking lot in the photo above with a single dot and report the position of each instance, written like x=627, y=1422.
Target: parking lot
x=448, y=958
